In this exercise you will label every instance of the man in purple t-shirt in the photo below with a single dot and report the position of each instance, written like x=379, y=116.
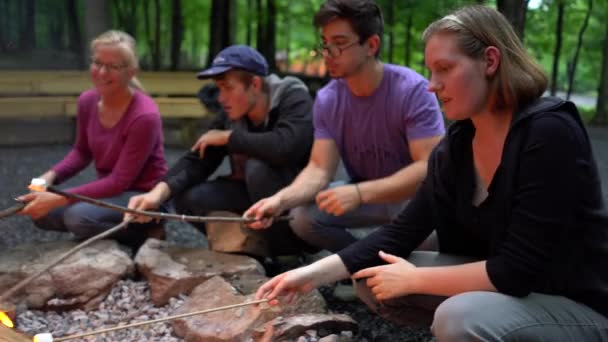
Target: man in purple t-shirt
x=380, y=119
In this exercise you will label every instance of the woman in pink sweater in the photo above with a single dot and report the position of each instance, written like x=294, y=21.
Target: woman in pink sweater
x=118, y=128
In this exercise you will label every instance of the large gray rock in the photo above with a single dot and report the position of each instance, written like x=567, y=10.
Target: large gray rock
x=236, y=324
x=172, y=270
x=81, y=281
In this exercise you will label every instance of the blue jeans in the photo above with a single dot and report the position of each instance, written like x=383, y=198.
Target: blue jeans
x=490, y=316
x=326, y=231
x=85, y=220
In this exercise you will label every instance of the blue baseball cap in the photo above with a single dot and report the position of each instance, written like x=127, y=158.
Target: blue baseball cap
x=236, y=56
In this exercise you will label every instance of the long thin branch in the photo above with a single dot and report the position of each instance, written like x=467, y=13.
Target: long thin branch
x=156, y=214
x=132, y=325
x=11, y=210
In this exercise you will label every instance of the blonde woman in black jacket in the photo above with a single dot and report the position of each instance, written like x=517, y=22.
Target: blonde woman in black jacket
x=513, y=193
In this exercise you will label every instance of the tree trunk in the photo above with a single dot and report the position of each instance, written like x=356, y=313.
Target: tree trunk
x=390, y=19
x=249, y=27
x=261, y=28
x=177, y=29
x=221, y=28
x=515, y=11
x=601, y=112
x=270, y=41
x=156, y=59
x=558, y=45
x=3, y=26
x=408, y=37
x=28, y=33
x=126, y=14
x=97, y=21
x=578, y=49
x=55, y=29
x=287, y=35
x=74, y=33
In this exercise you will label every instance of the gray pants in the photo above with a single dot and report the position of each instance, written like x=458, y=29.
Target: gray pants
x=326, y=231
x=85, y=220
x=224, y=194
x=491, y=316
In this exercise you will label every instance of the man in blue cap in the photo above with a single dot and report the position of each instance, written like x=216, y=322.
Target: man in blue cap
x=266, y=130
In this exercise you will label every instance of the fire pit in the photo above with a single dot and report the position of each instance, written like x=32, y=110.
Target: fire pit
x=11, y=335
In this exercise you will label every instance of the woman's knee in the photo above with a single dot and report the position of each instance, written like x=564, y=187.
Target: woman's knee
x=77, y=220
x=460, y=318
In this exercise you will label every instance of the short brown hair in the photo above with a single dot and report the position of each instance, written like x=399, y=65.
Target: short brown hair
x=245, y=77
x=364, y=16
x=519, y=79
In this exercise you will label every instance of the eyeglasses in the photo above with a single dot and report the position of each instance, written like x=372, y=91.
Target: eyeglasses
x=97, y=64
x=333, y=50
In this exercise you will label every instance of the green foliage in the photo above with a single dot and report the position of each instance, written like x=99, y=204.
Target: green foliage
x=540, y=40
x=296, y=37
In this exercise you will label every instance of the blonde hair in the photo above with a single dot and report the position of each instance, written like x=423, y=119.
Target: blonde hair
x=125, y=42
x=519, y=79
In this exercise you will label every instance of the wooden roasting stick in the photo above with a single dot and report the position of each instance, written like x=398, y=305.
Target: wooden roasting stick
x=47, y=337
x=39, y=184
x=11, y=210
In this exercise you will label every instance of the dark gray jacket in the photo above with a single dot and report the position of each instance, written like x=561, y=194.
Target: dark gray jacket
x=284, y=141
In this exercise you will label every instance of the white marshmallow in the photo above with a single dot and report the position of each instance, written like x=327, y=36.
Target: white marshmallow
x=38, y=182
x=46, y=337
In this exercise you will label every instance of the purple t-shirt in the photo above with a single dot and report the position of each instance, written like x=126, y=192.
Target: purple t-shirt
x=372, y=132
x=128, y=156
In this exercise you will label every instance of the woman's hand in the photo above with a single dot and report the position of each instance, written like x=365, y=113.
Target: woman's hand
x=39, y=204
x=287, y=285
x=396, y=279
x=49, y=177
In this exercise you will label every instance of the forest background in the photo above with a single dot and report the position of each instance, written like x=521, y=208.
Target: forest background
x=569, y=38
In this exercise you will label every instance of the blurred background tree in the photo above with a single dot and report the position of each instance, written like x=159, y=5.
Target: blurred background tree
x=569, y=38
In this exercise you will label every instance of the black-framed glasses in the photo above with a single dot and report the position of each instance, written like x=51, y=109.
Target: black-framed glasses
x=97, y=64
x=333, y=50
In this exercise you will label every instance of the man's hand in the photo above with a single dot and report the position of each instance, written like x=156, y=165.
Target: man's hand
x=213, y=137
x=39, y=204
x=339, y=200
x=263, y=211
x=396, y=279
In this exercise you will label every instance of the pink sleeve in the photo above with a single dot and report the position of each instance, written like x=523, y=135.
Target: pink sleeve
x=80, y=155
x=142, y=135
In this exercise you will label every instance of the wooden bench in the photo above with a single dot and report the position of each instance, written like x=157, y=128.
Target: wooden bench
x=54, y=93
x=48, y=96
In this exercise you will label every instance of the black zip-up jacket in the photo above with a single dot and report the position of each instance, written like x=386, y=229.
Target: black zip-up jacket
x=543, y=227
x=283, y=142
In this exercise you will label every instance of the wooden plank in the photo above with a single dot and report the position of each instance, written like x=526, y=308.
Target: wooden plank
x=33, y=106
x=58, y=106
x=181, y=108
x=60, y=83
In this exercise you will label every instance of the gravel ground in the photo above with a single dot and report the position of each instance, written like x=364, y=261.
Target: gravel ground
x=19, y=164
